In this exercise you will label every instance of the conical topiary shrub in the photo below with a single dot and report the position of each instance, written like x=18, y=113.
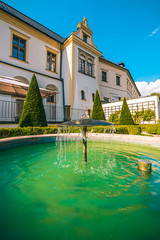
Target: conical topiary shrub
x=97, y=112
x=33, y=113
x=125, y=118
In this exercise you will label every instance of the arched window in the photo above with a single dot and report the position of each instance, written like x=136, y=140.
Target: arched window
x=89, y=67
x=93, y=97
x=51, y=99
x=83, y=95
x=22, y=79
x=82, y=64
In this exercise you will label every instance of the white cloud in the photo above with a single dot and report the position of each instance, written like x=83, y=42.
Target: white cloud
x=154, y=32
x=148, y=88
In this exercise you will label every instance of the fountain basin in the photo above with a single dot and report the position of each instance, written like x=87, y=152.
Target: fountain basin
x=46, y=188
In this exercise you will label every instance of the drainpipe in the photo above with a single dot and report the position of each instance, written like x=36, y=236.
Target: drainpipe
x=61, y=75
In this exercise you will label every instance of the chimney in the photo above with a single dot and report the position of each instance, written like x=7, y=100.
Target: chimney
x=121, y=64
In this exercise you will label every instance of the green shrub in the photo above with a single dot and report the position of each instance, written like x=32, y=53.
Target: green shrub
x=97, y=112
x=126, y=117
x=26, y=131
x=157, y=94
x=33, y=113
x=133, y=130
x=148, y=115
x=138, y=116
x=115, y=117
x=153, y=129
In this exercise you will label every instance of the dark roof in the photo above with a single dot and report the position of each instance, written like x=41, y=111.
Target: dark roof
x=106, y=60
x=117, y=64
x=8, y=9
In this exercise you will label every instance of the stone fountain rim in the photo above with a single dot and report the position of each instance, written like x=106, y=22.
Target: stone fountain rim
x=86, y=123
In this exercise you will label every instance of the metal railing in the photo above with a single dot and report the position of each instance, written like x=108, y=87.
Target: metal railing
x=10, y=111
x=54, y=113
x=76, y=114
x=7, y=111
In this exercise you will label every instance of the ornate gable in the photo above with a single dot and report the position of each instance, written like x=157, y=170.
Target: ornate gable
x=84, y=32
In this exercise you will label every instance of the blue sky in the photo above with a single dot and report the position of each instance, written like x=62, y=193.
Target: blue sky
x=126, y=30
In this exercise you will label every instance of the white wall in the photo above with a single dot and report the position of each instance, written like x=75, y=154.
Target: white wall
x=148, y=102
x=84, y=82
x=36, y=60
x=109, y=89
x=66, y=71
x=36, y=51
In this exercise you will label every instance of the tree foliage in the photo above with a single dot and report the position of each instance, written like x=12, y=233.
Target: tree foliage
x=148, y=115
x=156, y=94
x=144, y=115
x=115, y=117
x=97, y=112
x=126, y=117
x=33, y=113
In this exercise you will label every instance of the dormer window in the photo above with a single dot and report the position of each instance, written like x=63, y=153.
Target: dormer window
x=84, y=37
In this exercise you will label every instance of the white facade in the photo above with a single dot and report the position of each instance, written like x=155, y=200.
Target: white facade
x=36, y=60
x=78, y=63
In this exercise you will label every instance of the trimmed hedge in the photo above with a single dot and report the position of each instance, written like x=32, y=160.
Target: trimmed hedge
x=151, y=128
x=97, y=112
x=26, y=131
x=132, y=130
x=33, y=113
x=125, y=117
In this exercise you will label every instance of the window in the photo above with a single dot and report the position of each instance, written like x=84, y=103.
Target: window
x=86, y=63
x=117, y=80
x=89, y=68
x=116, y=98
x=83, y=95
x=19, y=48
x=104, y=76
x=93, y=97
x=106, y=99
x=84, y=37
x=82, y=65
x=50, y=99
x=51, y=61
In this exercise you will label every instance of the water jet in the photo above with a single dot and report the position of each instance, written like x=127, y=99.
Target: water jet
x=83, y=124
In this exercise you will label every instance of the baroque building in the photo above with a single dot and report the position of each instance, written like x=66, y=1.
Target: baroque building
x=72, y=68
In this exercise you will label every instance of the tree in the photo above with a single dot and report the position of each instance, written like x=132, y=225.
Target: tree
x=97, y=112
x=114, y=117
x=155, y=94
x=148, y=115
x=33, y=113
x=126, y=117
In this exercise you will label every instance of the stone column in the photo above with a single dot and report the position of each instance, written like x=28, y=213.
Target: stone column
x=67, y=113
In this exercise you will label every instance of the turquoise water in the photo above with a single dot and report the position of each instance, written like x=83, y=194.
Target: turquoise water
x=47, y=193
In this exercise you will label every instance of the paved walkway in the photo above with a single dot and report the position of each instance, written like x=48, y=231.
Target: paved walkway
x=8, y=125
x=14, y=125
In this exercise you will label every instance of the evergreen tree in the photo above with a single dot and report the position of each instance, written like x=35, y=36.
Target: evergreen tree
x=97, y=112
x=126, y=117
x=33, y=113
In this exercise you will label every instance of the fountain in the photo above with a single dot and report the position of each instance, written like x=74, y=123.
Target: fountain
x=84, y=123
